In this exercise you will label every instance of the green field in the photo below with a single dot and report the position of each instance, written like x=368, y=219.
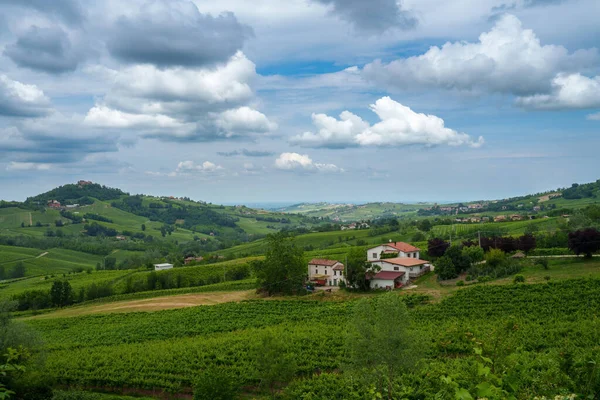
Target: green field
x=167, y=350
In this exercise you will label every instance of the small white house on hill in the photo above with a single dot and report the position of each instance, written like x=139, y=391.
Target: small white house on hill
x=396, y=272
x=397, y=249
x=162, y=267
x=326, y=272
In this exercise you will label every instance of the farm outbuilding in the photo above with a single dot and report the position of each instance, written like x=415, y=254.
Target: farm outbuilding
x=162, y=267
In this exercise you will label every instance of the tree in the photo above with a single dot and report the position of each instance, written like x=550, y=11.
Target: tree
x=110, y=263
x=436, y=247
x=461, y=263
x=356, y=270
x=61, y=293
x=585, y=241
x=283, y=270
x=273, y=363
x=494, y=258
x=381, y=341
x=526, y=242
x=445, y=268
x=143, y=227
x=18, y=271
x=424, y=225
x=215, y=384
x=473, y=253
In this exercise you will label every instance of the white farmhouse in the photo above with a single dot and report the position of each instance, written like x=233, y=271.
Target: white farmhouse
x=397, y=263
x=399, y=249
x=395, y=272
x=326, y=272
x=162, y=267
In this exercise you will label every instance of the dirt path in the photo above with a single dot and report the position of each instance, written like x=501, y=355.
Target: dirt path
x=42, y=255
x=152, y=304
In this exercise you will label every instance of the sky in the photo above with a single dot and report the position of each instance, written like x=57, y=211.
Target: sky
x=234, y=101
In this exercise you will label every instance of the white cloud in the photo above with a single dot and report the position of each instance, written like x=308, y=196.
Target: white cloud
x=191, y=166
x=21, y=100
x=399, y=126
x=302, y=162
x=244, y=119
x=102, y=116
x=183, y=103
x=594, y=117
x=568, y=91
x=507, y=59
x=27, y=166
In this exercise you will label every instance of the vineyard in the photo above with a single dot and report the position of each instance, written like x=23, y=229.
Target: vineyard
x=166, y=350
x=469, y=231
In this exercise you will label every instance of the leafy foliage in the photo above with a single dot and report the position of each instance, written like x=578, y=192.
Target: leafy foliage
x=586, y=241
x=283, y=270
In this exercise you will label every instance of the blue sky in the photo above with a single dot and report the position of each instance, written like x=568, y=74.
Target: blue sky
x=303, y=100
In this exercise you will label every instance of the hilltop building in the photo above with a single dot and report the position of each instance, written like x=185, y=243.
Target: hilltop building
x=162, y=267
x=398, y=263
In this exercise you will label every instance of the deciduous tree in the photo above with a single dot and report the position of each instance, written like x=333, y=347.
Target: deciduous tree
x=283, y=270
x=584, y=241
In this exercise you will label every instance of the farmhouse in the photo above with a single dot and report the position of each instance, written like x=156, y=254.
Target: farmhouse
x=192, y=259
x=54, y=204
x=392, y=249
x=325, y=272
x=162, y=267
x=397, y=271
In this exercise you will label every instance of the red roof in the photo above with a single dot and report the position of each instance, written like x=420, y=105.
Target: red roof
x=322, y=261
x=403, y=261
x=402, y=246
x=339, y=267
x=388, y=275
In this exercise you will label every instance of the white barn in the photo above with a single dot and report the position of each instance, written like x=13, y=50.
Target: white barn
x=329, y=272
x=162, y=267
x=397, y=249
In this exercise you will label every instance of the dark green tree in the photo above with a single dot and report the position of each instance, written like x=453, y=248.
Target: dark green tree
x=274, y=364
x=143, y=227
x=381, y=342
x=283, y=270
x=18, y=271
x=356, y=270
x=585, y=241
x=445, y=268
x=61, y=294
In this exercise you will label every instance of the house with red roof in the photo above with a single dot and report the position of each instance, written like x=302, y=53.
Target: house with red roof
x=394, y=264
x=391, y=249
x=325, y=272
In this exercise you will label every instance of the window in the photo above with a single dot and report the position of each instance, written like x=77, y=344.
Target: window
x=325, y=271
x=396, y=268
x=316, y=270
x=334, y=272
x=374, y=255
x=411, y=268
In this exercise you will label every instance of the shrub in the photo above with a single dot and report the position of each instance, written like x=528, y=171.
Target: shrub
x=547, y=278
x=469, y=278
x=215, y=384
x=494, y=258
x=542, y=262
x=519, y=279
x=460, y=283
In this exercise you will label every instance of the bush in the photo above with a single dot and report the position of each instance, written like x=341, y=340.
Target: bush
x=494, y=258
x=519, y=279
x=542, y=262
x=215, y=384
x=469, y=278
x=460, y=283
x=547, y=278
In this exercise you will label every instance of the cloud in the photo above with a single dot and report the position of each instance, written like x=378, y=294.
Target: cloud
x=174, y=33
x=21, y=100
x=302, y=162
x=27, y=166
x=398, y=126
x=55, y=139
x=182, y=104
x=244, y=119
x=185, y=168
x=594, y=117
x=191, y=166
x=373, y=16
x=569, y=91
x=68, y=11
x=44, y=49
x=246, y=152
x=507, y=59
